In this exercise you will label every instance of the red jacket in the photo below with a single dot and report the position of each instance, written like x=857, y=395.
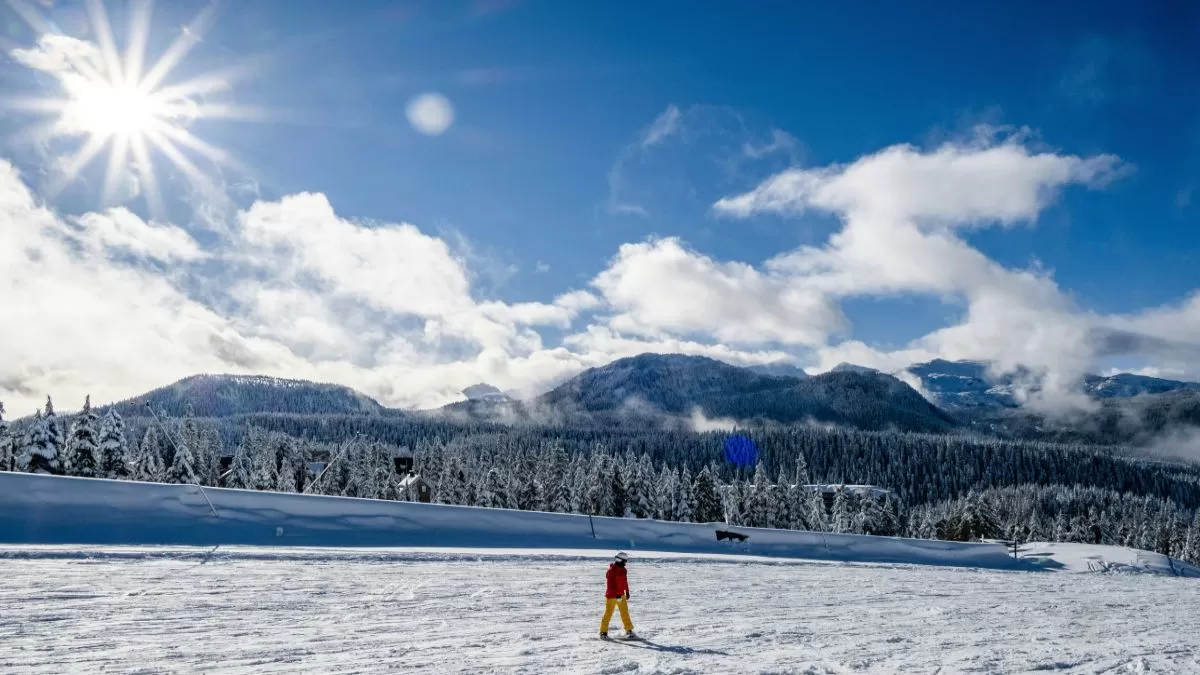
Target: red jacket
x=618, y=582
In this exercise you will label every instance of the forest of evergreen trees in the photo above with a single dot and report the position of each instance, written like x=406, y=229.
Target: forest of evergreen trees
x=935, y=486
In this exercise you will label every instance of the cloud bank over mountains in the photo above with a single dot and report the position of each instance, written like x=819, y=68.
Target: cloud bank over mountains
x=109, y=304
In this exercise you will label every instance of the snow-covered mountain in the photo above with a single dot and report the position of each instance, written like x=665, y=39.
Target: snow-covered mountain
x=227, y=395
x=968, y=384
x=676, y=385
x=1126, y=385
x=779, y=369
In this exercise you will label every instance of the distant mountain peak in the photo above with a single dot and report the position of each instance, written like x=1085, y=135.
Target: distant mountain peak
x=779, y=369
x=844, y=367
x=210, y=395
x=484, y=392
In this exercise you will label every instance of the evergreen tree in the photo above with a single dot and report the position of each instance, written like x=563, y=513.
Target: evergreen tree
x=39, y=453
x=801, y=476
x=183, y=466
x=708, y=502
x=685, y=501
x=841, y=515
x=871, y=519
x=452, y=485
x=736, y=498
x=360, y=475
x=286, y=480
x=666, y=490
x=760, y=509
x=1191, y=547
x=114, y=449
x=54, y=432
x=82, y=446
x=241, y=469
x=493, y=493
x=562, y=502
x=383, y=478
x=620, y=492
x=6, y=443
x=647, y=498
x=264, y=475
x=815, y=517
x=148, y=465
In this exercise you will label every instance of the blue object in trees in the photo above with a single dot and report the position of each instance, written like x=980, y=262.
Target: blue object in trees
x=741, y=451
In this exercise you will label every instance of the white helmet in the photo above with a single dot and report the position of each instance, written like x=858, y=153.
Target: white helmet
x=622, y=556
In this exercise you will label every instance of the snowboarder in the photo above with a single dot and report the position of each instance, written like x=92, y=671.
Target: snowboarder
x=616, y=596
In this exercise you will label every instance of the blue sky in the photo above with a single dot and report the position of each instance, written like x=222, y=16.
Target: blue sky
x=580, y=128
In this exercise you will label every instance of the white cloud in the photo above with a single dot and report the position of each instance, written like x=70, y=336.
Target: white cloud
x=663, y=126
x=953, y=186
x=659, y=288
x=121, y=231
x=902, y=210
x=292, y=289
x=59, y=54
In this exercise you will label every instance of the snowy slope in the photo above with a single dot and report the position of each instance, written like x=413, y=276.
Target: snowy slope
x=49, y=510
x=1109, y=559
x=244, y=611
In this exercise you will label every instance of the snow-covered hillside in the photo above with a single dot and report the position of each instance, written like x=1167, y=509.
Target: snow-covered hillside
x=53, y=510
x=250, y=611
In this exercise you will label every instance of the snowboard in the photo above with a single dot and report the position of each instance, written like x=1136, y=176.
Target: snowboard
x=622, y=638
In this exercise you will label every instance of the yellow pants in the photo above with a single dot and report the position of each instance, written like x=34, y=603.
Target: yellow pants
x=616, y=603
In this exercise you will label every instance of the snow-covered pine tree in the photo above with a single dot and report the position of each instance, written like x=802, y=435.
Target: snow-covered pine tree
x=6, y=443
x=685, y=499
x=1191, y=547
x=148, y=460
x=815, y=517
x=761, y=509
x=645, y=489
x=842, y=519
x=453, y=482
x=285, y=480
x=54, y=431
x=737, y=496
x=801, y=478
x=183, y=466
x=38, y=453
x=209, y=450
x=82, y=446
x=290, y=461
x=530, y=493
x=114, y=449
x=561, y=501
x=662, y=502
x=264, y=475
x=890, y=514
x=493, y=493
x=598, y=497
x=384, y=479
x=620, y=491
x=870, y=516
x=709, y=508
x=241, y=469
x=360, y=476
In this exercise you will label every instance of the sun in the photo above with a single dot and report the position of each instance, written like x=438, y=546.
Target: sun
x=114, y=102
x=106, y=109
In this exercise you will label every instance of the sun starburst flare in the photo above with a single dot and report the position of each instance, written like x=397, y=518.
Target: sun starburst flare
x=113, y=102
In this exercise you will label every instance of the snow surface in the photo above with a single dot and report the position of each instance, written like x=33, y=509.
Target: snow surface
x=233, y=610
x=59, y=510
x=1107, y=559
